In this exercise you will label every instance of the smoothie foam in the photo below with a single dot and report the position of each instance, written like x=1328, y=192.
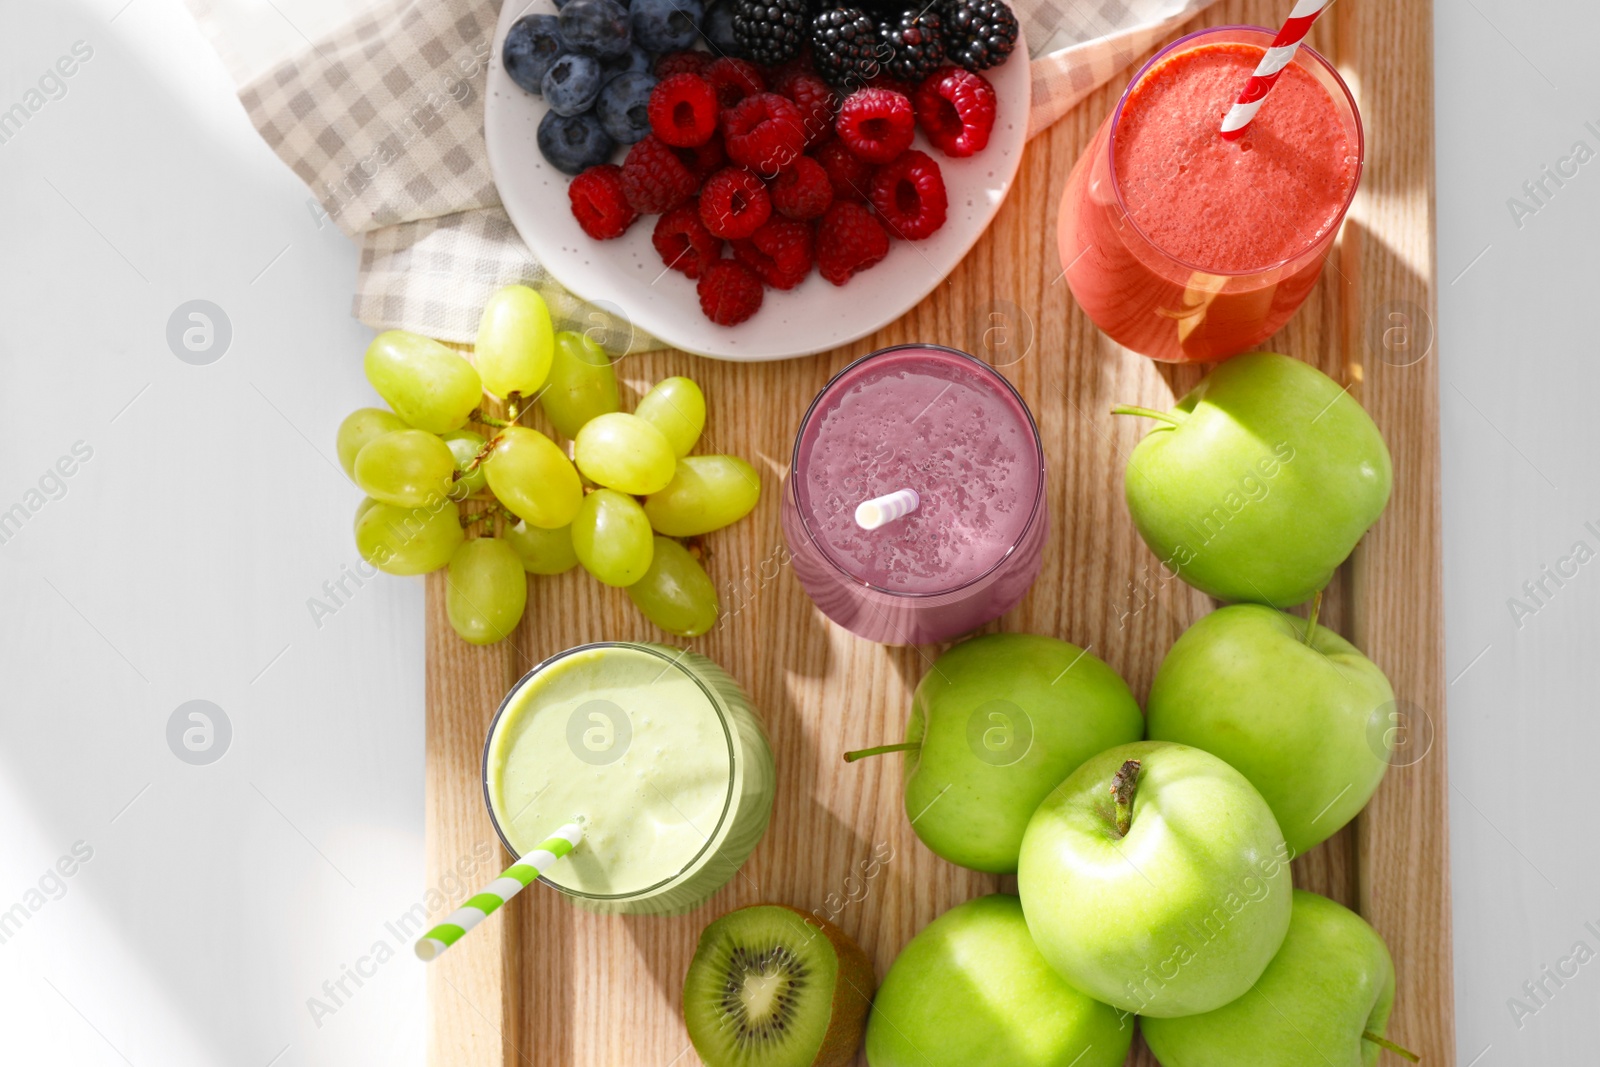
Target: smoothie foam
x=649, y=815
x=919, y=419
x=1229, y=207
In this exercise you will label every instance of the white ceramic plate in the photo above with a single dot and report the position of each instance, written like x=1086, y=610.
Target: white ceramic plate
x=628, y=275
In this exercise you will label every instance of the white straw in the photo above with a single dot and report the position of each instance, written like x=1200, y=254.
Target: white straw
x=871, y=514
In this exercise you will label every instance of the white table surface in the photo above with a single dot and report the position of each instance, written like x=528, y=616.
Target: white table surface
x=177, y=562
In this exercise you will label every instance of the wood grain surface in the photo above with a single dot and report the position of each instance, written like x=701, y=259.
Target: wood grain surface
x=544, y=983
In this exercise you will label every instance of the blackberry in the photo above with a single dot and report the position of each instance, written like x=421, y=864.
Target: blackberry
x=914, y=44
x=845, y=46
x=771, y=31
x=979, y=34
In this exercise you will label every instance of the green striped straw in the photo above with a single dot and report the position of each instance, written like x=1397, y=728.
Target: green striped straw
x=513, y=881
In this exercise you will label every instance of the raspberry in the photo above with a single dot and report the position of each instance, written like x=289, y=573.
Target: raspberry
x=780, y=252
x=909, y=196
x=654, y=178
x=684, y=242
x=779, y=77
x=847, y=173
x=683, y=110
x=956, y=109
x=849, y=241
x=681, y=63
x=734, y=79
x=876, y=124
x=734, y=203
x=729, y=292
x=803, y=191
x=704, y=160
x=599, y=204
x=763, y=132
x=816, y=102
x=894, y=85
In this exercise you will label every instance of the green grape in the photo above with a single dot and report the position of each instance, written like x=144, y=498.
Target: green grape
x=515, y=342
x=625, y=453
x=406, y=467
x=543, y=551
x=677, y=408
x=707, y=493
x=359, y=427
x=582, y=384
x=486, y=591
x=533, y=477
x=409, y=540
x=676, y=593
x=366, y=505
x=428, y=385
x=612, y=537
x=464, y=446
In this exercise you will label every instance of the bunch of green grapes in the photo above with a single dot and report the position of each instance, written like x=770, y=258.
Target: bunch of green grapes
x=615, y=505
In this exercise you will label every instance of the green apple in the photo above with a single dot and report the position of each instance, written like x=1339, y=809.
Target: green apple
x=1261, y=480
x=1292, y=716
x=995, y=724
x=1323, y=1000
x=971, y=988
x=1155, y=879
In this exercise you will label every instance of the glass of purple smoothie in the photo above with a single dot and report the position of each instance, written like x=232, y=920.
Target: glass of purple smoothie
x=952, y=430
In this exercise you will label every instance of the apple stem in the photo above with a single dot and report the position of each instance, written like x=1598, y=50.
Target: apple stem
x=1123, y=784
x=1311, y=620
x=904, y=746
x=1391, y=1046
x=1148, y=413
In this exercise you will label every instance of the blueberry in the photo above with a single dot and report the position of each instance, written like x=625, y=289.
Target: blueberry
x=573, y=143
x=624, y=106
x=718, y=28
x=666, y=25
x=596, y=27
x=635, y=58
x=533, y=44
x=572, y=83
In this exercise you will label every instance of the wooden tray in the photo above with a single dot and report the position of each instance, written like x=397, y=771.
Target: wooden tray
x=543, y=983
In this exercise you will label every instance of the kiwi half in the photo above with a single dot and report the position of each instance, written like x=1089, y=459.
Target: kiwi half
x=770, y=986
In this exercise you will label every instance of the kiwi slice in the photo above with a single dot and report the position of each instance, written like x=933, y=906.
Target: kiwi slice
x=770, y=986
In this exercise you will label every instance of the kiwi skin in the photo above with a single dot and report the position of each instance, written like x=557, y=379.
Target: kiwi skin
x=852, y=995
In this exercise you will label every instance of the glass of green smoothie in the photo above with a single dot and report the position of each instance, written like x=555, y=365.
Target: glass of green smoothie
x=659, y=755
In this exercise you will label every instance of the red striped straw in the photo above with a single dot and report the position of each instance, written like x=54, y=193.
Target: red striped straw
x=1261, y=82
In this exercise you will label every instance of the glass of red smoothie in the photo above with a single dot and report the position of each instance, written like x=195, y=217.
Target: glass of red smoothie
x=1187, y=247
x=951, y=429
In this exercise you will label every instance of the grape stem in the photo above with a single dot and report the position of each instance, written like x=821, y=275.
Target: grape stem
x=479, y=415
x=477, y=461
x=468, y=520
x=514, y=409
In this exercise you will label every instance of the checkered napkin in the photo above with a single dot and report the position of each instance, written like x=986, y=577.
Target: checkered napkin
x=383, y=119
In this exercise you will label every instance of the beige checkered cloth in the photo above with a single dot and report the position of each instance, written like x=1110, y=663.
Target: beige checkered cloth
x=383, y=120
